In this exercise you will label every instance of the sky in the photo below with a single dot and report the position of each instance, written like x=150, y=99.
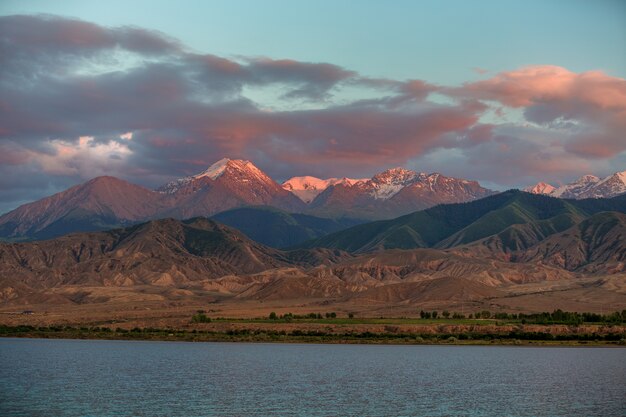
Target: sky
x=504, y=92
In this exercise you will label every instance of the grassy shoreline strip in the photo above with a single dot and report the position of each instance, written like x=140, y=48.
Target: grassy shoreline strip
x=300, y=336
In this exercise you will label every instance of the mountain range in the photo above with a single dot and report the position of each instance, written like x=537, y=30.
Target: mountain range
x=106, y=202
x=331, y=204
x=587, y=186
x=517, y=220
x=393, y=193
x=502, y=247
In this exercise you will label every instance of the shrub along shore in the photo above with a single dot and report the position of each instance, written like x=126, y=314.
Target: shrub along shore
x=481, y=328
x=592, y=336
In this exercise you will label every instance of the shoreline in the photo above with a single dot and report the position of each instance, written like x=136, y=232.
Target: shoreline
x=439, y=339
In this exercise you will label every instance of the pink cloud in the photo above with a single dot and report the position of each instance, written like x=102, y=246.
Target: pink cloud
x=546, y=83
x=592, y=102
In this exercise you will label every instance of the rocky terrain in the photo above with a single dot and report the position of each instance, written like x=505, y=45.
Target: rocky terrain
x=266, y=248
x=563, y=256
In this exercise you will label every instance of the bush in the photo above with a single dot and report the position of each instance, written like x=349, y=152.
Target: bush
x=273, y=316
x=200, y=318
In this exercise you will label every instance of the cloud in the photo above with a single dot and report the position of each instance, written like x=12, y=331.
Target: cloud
x=312, y=80
x=79, y=100
x=592, y=104
x=533, y=85
x=508, y=156
x=46, y=33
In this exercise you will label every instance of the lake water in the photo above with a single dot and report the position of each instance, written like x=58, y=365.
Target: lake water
x=41, y=377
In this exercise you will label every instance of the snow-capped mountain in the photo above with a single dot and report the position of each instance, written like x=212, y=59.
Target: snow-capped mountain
x=394, y=192
x=307, y=187
x=237, y=169
x=577, y=188
x=227, y=184
x=611, y=186
x=540, y=188
x=587, y=186
x=388, y=183
x=107, y=202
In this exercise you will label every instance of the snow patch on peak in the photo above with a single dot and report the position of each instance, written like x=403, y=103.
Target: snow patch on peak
x=611, y=186
x=305, y=183
x=215, y=170
x=587, y=186
x=585, y=179
x=388, y=183
x=307, y=188
x=396, y=176
x=238, y=169
x=578, y=188
x=540, y=188
x=617, y=177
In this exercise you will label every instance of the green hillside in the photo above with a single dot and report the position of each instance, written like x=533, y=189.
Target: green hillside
x=518, y=218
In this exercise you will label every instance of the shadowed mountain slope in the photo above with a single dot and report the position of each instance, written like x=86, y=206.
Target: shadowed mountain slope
x=279, y=229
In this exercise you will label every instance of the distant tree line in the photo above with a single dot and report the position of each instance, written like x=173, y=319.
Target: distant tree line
x=316, y=316
x=556, y=317
x=567, y=317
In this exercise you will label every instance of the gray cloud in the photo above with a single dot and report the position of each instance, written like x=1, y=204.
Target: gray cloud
x=70, y=89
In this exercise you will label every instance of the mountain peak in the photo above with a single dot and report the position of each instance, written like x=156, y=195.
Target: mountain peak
x=585, y=179
x=619, y=177
x=308, y=187
x=540, y=188
x=215, y=170
x=587, y=186
x=395, y=176
x=225, y=165
x=388, y=183
x=235, y=169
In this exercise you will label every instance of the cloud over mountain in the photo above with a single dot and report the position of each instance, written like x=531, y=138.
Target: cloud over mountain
x=79, y=100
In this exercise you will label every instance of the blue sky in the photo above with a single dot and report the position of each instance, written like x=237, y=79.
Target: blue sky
x=440, y=41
